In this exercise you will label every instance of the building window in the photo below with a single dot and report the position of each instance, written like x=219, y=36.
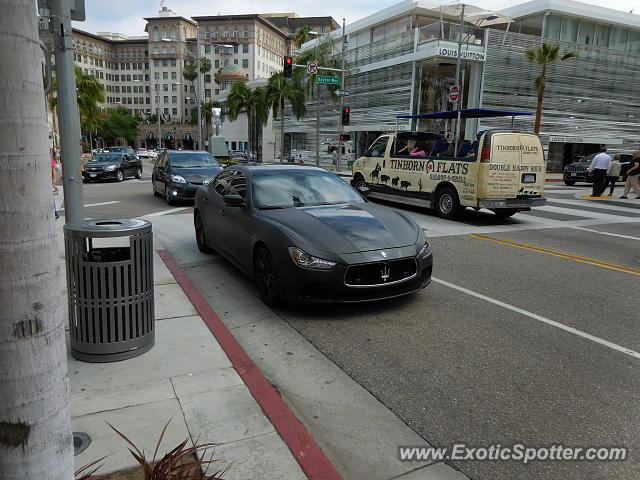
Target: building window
x=207, y=35
x=235, y=49
x=156, y=35
x=174, y=99
x=173, y=49
x=156, y=63
x=166, y=99
x=245, y=63
x=166, y=111
x=217, y=64
x=174, y=87
x=173, y=76
x=207, y=78
x=165, y=75
x=245, y=48
x=173, y=62
x=165, y=87
x=245, y=33
x=226, y=33
x=207, y=92
x=235, y=61
x=217, y=35
x=165, y=62
x=207, y=49
x=164, y=50
x=236, y=33
x=217, y=90
x=174, y=111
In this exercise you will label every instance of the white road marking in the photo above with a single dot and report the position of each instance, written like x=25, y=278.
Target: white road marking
x=542, y=319
x=98, y=204
x=165, y=212
x=607, y=233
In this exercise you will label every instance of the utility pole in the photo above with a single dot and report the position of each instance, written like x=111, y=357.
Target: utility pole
x=317, y=125
x=158, y=108
x=199, y=99
x=458, y=100
x=35, y=439
x=68, y=115
x=344, y=47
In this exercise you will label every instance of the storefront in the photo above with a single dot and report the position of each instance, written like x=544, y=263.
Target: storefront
x=564, y=150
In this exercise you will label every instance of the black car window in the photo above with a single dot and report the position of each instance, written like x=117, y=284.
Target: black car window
x=192, y=160
x=222, y=181
x=300, y=189
x=238, y=185
x=107, y=157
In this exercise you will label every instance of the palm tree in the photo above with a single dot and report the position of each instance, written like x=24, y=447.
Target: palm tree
x=281, y=89
x=36, y=429
x=544, y=56
x=255, y=104
x=90, y=92
x=302, y=36
x=205, y=109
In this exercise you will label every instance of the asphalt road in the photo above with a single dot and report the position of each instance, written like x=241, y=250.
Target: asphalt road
x=528, y=334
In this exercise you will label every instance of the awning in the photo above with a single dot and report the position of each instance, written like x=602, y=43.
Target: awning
x=467, y=113
x=187, y=136
x=152, y=136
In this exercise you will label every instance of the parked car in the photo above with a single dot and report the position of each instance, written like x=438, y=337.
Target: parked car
x=304, y=234
x=578, y=171
x=112, y=166
x=178, y=173
x=142, y=153
x=238, y=156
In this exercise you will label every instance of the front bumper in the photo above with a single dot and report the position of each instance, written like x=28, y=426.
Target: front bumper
x=528, y=202
x=304, y=285
x=183, y=191
x=101, y=175
x=579, y=176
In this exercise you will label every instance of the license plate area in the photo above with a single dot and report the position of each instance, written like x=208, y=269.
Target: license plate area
x=573, y=174
x=528, y=178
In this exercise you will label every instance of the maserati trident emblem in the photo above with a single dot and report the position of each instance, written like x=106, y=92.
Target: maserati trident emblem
x=384, y=254
x=384, y=273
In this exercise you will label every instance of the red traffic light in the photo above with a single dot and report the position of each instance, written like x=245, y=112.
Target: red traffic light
x=288, y=60
x=347, y=110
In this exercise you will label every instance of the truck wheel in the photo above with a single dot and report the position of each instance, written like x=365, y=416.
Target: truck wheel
x=505, y=212
x=358, y=182
x=569, y=182
x=447, y=203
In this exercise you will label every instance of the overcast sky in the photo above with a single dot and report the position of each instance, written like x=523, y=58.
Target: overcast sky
x=125, y=16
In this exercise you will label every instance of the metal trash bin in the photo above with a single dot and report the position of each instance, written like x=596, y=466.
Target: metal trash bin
x=110, y=289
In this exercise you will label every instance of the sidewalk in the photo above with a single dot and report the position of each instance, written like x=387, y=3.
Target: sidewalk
x=185, y=377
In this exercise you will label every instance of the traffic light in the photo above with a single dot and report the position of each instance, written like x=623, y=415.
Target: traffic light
x=288, y=67
x=346, y=111
x=344, y=137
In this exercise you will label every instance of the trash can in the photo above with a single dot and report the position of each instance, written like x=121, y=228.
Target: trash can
x=110, y=289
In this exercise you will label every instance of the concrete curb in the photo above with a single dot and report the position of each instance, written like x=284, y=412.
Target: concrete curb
x=301, y=444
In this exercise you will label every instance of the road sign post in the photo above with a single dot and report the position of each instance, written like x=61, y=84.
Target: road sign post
x=454, y=93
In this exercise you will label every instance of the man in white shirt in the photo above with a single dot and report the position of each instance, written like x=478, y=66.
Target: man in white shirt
x=600, y=166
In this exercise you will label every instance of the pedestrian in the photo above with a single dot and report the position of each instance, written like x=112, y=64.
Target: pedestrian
x=613, y=174
x=599, y=167
x=633, y=176
x=54, y=167
x=334, y=157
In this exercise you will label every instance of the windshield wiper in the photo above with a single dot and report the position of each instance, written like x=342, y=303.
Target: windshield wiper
x=271, y=207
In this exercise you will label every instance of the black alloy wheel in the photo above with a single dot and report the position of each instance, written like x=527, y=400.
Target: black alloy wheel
x=201, y=238
x=138, y=173
x=266, y=277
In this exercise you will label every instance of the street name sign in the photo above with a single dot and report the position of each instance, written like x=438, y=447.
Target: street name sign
x=328, y=80
x=343, y=93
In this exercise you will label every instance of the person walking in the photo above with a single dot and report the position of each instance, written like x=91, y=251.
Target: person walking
x=54, y=166
x=600, y=165
x=613, y=174
x=633, y=176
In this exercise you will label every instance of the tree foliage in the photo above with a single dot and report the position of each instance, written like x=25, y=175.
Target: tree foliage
x=89, y=92
x=119, y=123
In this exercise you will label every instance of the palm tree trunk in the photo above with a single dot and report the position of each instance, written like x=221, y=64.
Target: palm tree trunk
x=536, y=128
x=282, y=130
x=35, y=427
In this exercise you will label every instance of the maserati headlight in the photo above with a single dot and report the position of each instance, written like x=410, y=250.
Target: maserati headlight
x=206, y=181
x=304, y=260
x=178, y=179
x=425, y=251
x=110, y=168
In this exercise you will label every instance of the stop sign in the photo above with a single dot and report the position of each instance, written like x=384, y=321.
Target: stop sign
x=454, y=93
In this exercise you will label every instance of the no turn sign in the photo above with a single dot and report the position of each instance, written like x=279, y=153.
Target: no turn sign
x=312, y=68
x=454, y=93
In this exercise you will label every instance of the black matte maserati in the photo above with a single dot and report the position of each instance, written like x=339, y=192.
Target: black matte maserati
x=305, y=235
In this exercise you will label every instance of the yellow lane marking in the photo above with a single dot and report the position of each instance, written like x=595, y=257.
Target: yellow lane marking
x=555, y=253
x=602, y=197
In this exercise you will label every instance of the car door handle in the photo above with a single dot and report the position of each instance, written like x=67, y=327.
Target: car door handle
x=223, y=213
x=205, y=199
